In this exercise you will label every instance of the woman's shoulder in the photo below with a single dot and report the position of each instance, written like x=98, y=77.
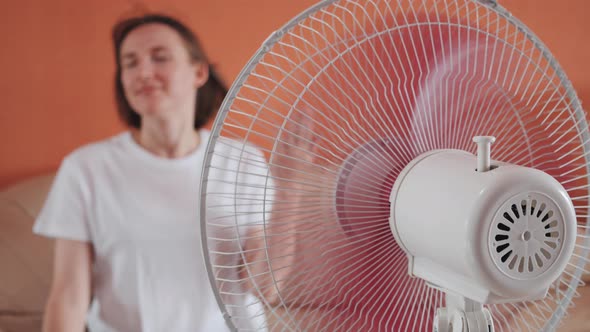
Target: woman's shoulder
x=97, y=150
x=225, y=146
x=231, y=155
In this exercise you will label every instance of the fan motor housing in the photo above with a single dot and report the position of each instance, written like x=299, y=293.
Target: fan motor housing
x=497, y=236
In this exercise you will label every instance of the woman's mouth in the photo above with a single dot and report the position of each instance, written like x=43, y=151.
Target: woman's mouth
x=147, y=90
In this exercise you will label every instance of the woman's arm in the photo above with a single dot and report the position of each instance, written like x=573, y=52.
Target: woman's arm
x=71, y=290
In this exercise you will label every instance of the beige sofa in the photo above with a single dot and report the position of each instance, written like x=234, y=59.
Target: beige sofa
x=25, y=263
x=25, y=259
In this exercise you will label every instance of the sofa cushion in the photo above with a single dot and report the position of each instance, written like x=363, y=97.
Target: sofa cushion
x=29, y=194
x=26, y=259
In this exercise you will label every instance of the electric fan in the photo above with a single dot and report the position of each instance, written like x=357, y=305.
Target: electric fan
x=398, y=166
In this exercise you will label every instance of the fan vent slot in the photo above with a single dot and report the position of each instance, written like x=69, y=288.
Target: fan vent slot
x=501, y=237
x=515, y=211
x=502, y=247
x=508, y=217
x=539, y=260
x=506, y=256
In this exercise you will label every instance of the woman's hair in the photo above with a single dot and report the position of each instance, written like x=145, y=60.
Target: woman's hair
x=209, y=96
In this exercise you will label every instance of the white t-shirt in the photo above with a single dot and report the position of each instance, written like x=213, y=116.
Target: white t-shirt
x=141, y=214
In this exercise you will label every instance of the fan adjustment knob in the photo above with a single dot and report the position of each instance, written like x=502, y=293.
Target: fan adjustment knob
x=483, y=152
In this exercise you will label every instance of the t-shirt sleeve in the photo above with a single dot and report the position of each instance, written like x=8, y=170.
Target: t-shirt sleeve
x=238, y=194
x=255, y=190
x=65, y=212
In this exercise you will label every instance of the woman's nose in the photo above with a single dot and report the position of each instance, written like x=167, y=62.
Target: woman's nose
x=145, y=69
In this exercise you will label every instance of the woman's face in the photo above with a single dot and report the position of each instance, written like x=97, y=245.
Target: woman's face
x=158, y=76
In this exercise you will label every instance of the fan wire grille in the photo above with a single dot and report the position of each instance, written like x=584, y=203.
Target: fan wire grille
x=419, y=75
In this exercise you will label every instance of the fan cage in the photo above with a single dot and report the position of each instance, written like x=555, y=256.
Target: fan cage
x=314, y=93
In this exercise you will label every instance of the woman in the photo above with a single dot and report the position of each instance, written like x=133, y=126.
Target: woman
x=124, y=211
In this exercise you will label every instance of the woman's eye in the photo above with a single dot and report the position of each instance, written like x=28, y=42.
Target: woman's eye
x=129, y=63
x=160, y=58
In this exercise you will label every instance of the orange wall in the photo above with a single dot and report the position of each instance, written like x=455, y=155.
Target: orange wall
x=56, y=62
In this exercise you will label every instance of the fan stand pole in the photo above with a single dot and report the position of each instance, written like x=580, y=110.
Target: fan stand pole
x=462, y=315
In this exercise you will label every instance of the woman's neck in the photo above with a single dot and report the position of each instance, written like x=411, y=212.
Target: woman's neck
x=167, y=140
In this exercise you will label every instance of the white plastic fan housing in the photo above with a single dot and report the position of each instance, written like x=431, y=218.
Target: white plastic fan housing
x=496, y=236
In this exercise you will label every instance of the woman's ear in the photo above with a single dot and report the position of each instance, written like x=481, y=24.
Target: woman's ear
x=201, y=74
